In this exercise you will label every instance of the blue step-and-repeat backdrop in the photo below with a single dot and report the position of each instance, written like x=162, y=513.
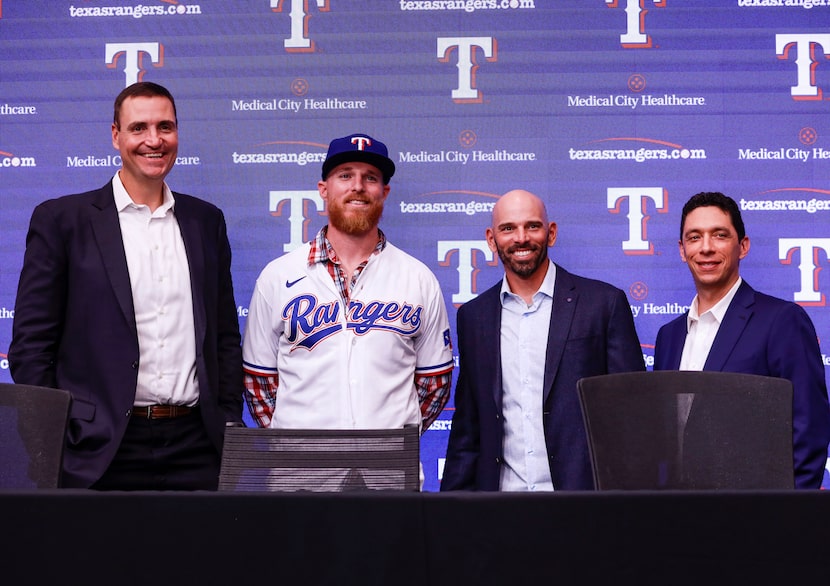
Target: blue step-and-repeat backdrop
x=614, y=111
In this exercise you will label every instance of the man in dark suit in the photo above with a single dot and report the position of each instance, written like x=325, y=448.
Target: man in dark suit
x=523, y=345
x=730, y=327
x=125, y=300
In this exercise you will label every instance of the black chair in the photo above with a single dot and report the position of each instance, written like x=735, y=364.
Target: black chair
x=320, y=460
x=33, y=423
x=688, y=430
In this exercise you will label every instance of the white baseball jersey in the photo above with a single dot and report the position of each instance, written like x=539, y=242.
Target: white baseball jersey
x=347, y=367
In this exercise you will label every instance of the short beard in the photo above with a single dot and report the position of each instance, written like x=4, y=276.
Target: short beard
x=523, y=269
x=355, y=223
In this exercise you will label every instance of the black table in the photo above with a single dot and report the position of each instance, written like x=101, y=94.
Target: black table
x=668, y=538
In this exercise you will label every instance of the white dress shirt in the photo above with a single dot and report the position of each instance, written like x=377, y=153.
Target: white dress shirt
x=524, y=341
x=700, y=335
x=702, y=329
x=162, y=298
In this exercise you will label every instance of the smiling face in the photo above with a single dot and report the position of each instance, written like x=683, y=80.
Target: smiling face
x=354, y=193
x=521, y=235
x=713, y=251
x=147, y=138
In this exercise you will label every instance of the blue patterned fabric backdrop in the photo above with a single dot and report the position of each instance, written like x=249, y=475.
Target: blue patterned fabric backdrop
x=613, y=111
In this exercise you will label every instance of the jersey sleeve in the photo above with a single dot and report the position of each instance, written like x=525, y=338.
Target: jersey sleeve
x=259, y=353
x=433, y=394
x=433, y=345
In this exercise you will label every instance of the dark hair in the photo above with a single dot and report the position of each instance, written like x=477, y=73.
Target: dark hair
x=146, y=89
x=718, y=200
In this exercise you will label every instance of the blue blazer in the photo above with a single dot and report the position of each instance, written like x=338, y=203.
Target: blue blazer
x=74, y=325
x=768, y=336
x=591, y=332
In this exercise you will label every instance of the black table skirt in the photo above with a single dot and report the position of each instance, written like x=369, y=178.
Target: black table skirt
x=668, y=538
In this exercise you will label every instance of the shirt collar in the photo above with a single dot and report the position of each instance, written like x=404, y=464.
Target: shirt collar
x=546, y=288
x=718, y=310
x=322, y=250
x=123, y=199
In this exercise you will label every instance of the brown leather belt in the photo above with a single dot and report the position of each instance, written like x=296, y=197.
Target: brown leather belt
x=161, y=411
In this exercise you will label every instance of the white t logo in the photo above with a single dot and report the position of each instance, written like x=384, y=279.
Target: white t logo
x=467, y=269
x=298, y=219
x=808, y=249
x=299, y=41
x=805, y=61
x=638, y=198
x=467, y=66
x=133, y=58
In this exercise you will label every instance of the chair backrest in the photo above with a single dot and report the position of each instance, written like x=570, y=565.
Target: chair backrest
x=33, y=424
x=328, y=460
x=688, y=430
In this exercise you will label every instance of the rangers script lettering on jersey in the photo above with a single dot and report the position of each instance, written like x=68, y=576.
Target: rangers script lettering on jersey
x=310, y=322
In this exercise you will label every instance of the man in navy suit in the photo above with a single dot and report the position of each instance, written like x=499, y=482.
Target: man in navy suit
x=523, y=345
x=730, y=327
x=125, y=300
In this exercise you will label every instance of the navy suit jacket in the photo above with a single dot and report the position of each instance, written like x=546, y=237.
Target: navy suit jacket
x=74, y=325
x=591, y=333
x=768, y=336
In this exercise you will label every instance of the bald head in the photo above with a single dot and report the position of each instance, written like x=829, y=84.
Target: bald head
x=520, y=233
x=518, y=202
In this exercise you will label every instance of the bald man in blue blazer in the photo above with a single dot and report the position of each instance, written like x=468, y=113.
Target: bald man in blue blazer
x=522, y=429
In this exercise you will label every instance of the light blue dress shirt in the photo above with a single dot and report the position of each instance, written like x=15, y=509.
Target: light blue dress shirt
x=524, y=341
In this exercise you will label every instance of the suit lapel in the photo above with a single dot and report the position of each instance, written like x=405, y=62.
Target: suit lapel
x=107, y=231
x=734, y=322
x=675, y=339
x=195, y=249
x=565, y=296
x=489, y=332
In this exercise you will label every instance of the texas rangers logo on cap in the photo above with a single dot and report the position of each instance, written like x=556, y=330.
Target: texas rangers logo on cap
x=359, y=147
x=361, y=141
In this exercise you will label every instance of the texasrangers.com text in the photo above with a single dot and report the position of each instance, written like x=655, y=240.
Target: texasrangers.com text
x=467, y=5
x=134, y=11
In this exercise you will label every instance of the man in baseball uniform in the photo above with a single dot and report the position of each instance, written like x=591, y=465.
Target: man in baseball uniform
x=348, y=331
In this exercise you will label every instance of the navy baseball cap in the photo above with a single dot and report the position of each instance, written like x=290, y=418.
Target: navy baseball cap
x=362, y=148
